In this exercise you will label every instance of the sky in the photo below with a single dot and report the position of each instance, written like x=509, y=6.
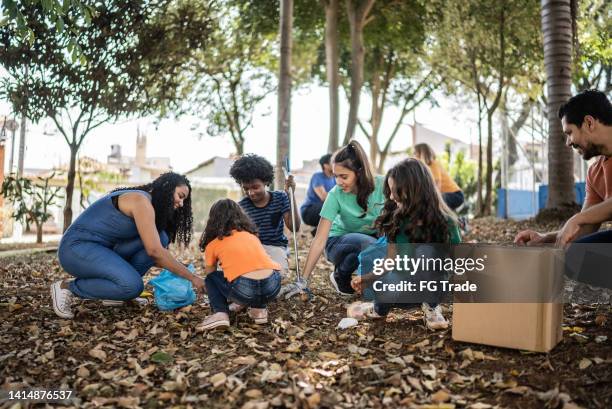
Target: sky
x=179, y=140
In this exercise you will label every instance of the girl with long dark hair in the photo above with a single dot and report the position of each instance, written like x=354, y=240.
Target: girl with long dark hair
x=414, y=213
x=117, y=239
x=347, y=219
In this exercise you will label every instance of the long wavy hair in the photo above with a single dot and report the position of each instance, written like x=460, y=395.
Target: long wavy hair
x=425, y=153
x=225, y=216
x=177, y=223
x=353, y=157
x=423, y=213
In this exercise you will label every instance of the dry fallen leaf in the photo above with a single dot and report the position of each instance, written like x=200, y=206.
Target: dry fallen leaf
x=218, y=379
x=584, y=363
x=440, y=397
x=98, y=353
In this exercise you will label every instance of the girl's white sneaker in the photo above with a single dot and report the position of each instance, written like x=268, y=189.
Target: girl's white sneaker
x=433, y=317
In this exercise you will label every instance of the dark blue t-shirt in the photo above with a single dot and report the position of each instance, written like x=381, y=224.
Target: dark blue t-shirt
x=269, y=219
x=318, y=179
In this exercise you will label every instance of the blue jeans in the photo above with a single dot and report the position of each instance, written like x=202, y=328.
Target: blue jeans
x=343, y=252
x=454, y=199
x=589, y=258
x=107, y=273
x=243, y=290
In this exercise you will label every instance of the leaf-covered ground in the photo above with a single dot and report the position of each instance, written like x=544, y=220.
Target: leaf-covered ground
x=141, y=357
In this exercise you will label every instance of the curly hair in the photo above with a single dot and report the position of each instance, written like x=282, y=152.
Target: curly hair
x=423, y=213
x=177, y=223
x=225, y=215
x=353, y=157
x=250, y=167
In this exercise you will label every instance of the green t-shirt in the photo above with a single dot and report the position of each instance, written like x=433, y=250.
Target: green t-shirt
x=455, y=235
x=342, y=210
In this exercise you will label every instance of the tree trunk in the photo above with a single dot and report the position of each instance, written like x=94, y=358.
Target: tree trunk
x=557, y=31
x=514, y=130
x=70, y=186
x=332, y=56
x=39, y=233
x=489, y=177
x=239, y=145
x=357, y=13
x=479, y=198
x=284, y=91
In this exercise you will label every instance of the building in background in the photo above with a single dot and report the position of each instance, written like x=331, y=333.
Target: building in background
x=93, y=180
x=140, y=168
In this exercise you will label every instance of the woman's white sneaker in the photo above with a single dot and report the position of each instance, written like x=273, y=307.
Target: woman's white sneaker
x=62, y=300
x=433, y=317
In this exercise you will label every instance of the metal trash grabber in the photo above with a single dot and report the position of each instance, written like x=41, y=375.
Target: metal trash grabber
x=286, y=171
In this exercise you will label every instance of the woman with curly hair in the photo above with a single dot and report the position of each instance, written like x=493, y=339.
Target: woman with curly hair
x=117, y=239
x=414, y=212
x=270, y=210
x=250, y=278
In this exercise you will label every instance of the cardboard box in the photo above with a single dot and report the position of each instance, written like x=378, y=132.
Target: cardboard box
x=527, y=326
x=509, y=309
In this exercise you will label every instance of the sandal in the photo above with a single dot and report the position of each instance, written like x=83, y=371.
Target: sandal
x=259, y=315
x=216, y=320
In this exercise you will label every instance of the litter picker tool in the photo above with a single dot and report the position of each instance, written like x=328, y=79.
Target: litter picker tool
x=287, y=172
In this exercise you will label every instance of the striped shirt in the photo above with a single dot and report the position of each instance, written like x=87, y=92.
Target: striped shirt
x=269, y=219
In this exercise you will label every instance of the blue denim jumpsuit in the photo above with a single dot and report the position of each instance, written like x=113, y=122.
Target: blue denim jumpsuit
x=103, y=250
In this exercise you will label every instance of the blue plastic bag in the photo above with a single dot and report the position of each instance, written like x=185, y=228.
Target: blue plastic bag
x=366, y=262
x=172, y=291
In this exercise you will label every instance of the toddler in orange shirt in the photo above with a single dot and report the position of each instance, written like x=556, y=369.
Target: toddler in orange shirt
x=249, y=277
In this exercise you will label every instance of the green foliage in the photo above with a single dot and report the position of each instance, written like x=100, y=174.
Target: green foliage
x=463, y=171
x=54, y=16
x=593, y=63
x=32, y=199
x=232, y=74
x=124, y=65
x=132, y=52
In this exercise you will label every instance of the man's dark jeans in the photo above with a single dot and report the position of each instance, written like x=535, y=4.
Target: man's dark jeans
x=589, y=259
x=310, y=214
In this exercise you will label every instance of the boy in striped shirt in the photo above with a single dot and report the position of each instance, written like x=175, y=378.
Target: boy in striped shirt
x=270, y=210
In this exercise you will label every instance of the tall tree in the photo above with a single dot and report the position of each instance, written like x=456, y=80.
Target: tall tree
x=232, y=74
x=283, y=142
x=358, y=15
x=132, y=52
x=396, y=70
x=332, y=61
x=482, y=46
x=557, y=31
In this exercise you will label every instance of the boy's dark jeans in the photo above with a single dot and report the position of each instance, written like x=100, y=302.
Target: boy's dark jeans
x=243, y=290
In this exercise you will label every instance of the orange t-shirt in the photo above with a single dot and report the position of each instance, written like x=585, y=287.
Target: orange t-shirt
x=599, y=181
x=443, y=179
x=238, y=254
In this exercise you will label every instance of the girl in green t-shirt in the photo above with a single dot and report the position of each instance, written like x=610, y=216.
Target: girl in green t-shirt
x=414, y=212
x=347, y=220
